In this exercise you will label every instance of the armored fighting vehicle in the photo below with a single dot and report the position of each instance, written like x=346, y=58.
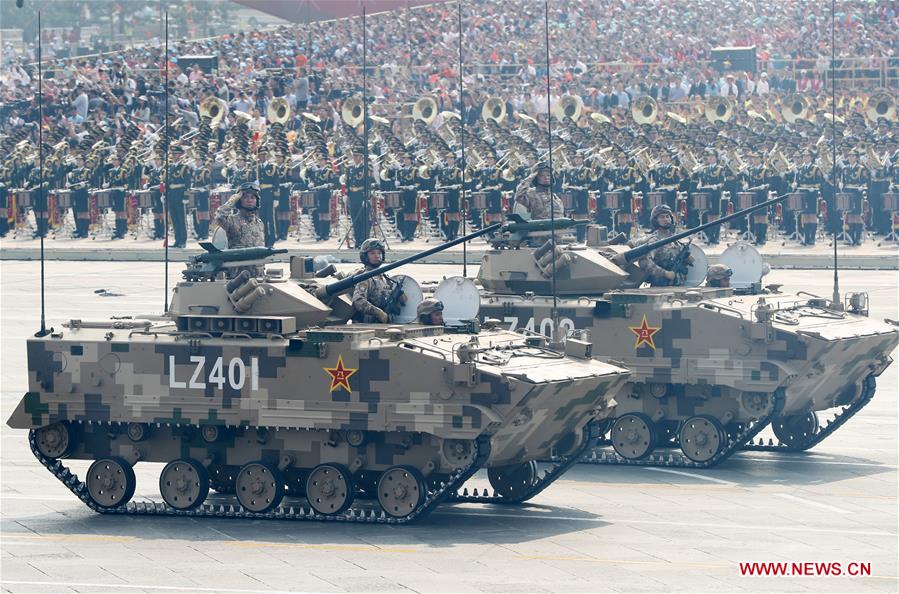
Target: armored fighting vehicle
x=260, y=387
x=711, y=368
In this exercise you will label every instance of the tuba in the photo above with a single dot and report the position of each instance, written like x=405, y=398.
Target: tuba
x=213, y=108
x=352, y=111
x=494, y=109
x=644, y=110
x=880, y=105
x=278, y=111
x=568, y=106
x=719, y=109
x=425, y=109
x=795, y=107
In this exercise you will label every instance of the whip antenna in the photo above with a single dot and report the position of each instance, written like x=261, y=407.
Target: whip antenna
x=833, y=134
x=43, y=223
x=552, y=198
x=165, y=298
x=462, y=142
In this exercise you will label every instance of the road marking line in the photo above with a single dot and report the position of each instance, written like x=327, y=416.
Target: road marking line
x=818, y=504
x=135, y=587
x=692, y=475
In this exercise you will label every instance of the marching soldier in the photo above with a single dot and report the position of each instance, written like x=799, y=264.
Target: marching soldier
x=176, y=192
x=269, y=188
x=360, y=209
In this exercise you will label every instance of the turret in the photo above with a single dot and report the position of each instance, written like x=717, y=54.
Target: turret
x=580, y=270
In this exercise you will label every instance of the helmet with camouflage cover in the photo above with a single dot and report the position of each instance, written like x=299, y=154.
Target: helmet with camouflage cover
x=426, y=308
x=719, y=275
x=658, y=210
x=372, y=243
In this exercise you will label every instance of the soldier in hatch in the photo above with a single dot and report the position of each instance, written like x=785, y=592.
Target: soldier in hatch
x=243, y=227
x=661, y=263
x=718, y=276
x=430, y=312
x=370, y=297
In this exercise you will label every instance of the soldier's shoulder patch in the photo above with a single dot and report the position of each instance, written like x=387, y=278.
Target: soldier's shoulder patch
x=644, y=333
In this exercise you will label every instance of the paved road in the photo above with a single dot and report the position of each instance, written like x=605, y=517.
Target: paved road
x=597, y=529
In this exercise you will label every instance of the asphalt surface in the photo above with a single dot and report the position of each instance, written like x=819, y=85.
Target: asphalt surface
x=596, y=529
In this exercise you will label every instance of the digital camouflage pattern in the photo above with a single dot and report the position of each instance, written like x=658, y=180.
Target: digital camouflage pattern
x=229, y=389
x=698, y=351
x=538, y=201
x=370, y=296
x=244, y=228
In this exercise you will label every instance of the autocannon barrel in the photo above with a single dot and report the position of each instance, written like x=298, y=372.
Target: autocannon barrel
x=237, y=254
x=344, y=284
x=640, y=251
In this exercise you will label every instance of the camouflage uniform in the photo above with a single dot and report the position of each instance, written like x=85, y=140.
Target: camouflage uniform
x=660, y=260
x=370, y=296
x=537, y=201
x=244, y=229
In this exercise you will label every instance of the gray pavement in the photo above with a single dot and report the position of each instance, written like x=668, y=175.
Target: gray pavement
x=868, y=256
x=597, y=529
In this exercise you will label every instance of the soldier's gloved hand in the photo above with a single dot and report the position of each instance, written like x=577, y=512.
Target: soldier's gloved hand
x=670, y=275
x=381, y=315
x=403, y=299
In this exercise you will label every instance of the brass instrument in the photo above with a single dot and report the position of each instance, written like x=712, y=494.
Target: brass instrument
x=735, y=163
x=880, y=105
x=719, y=109
x=677, y=118
x=213, y=108
x=600, y=118
x=494, y=109
x=352, y=112
x=278, y=111
x=568, y=107
x=644, y=110
x=425, y=109
x=795, y=107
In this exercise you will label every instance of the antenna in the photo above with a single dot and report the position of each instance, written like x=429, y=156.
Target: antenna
x=43, y=223
x=168, y=140
x=365, y=196
x=462, y=143
x=833, y=133
x=552, y=198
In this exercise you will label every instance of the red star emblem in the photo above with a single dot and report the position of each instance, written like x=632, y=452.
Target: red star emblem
x=340, y=375
x=644, y=333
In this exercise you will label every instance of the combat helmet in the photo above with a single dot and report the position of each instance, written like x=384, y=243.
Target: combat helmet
x=426, y=308
x=656, y=211
x=372, y=243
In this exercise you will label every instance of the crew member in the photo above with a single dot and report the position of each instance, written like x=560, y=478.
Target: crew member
x=370, y=297
x=661, y=264
x=718, y=275
x=430, y=312
x=244, y=228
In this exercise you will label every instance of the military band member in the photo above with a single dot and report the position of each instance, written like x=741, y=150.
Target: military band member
x=283, y=214
x=490, y=181
x=270, y=186
x=854, y=178
x=370, y=297
x=155, y=173
x=243, y=226
x=202, y=180
x=710, y=179
x=179, y=179
x=38, y=201
x=321, y=180
x=77, y=181
x=807, y=180
x=577, y=180
x=116, y=179
x=360, y=208
x=449, y=180
x=406, y=181
x=757, y=180
x=240, y=173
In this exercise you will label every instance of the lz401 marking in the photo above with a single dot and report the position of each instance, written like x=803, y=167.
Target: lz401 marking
x=235, y=376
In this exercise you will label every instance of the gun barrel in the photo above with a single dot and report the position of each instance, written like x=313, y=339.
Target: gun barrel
x=343, y=285
x=640, y=251
x=238, y=255
x=542, y=225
